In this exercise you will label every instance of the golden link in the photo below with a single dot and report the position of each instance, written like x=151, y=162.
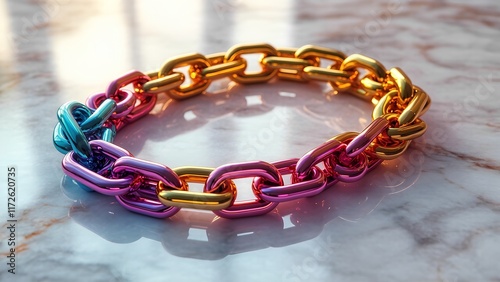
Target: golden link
x=163, y=84
x=408, y=132
x=216, y=58
x=311, y=52
x=197, y=63
x=382, y=106
x=266, y=74
x=275, y=62
x=402, y=83
x=324, y=74
x=393, y=150
x=219, y=69
x=196, y=200
x=293, y=74
x=414, y=108
x=417, y=89
x=356, y=61
x=390, y=153
x=373, y=88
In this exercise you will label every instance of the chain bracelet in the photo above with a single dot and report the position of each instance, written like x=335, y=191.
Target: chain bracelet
x=85, y=133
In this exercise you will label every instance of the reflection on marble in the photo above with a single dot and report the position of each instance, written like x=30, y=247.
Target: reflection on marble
x=431, y=215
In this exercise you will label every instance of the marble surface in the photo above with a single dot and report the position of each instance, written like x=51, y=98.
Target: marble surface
x=431, y=215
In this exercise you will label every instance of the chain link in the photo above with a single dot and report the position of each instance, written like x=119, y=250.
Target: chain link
x=84, y=132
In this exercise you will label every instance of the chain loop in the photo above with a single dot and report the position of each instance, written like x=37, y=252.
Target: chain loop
x=258, y=206
x=142, y=196
x=243, y=77
x=84, y=132
x=224, y=196
x=298, y=189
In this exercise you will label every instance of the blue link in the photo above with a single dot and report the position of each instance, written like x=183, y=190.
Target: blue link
x=78, y=124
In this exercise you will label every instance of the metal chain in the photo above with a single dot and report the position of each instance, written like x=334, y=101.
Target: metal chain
x=85, y=132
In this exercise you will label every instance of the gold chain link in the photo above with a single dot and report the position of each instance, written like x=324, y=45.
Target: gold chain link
x=392, y=92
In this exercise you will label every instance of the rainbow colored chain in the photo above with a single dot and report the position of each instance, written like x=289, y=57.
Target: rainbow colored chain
x=85, y=132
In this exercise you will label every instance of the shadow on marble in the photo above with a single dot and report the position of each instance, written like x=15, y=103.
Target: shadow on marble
x=201, y=234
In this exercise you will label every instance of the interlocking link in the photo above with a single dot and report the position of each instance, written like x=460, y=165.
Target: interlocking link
x=85, y=132
x=298, y=189
x=244, y=77
x=146, y=175
x=221, y=199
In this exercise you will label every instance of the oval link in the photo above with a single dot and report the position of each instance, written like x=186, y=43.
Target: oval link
x=242, y=170
x=309, y=52
x=146, y=175
x=92, y=175
x=413, y=109
x=264, y=75
x=197, y=200
x=298, y=189
x=293, y=74
x=403, y=84
x=198, y=85
x=219, y=69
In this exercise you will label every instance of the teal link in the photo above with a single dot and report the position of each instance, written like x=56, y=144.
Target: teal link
x=100, y=116
x=78, y=124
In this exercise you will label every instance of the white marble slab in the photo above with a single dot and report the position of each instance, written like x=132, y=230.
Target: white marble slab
x=431, y=215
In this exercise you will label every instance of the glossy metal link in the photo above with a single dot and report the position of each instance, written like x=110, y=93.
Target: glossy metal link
x=125, y=102
x=93, y=175
x=196, y=61
x=244, y=77
x=306, y=163
x=164, y=84
x=403, y=84
x=71, y=130
x=222, y=198
x=298, y=189
x=92, y=123
x=242, y=170
x=365, y=138
x=414, y=108
x=343, y=167
x=408, y=132
x=219, y=69
x=374, y=67
x=293, y=73
x=146, y=175
x=313, y=52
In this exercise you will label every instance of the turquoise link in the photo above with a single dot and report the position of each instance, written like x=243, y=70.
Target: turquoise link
x=78, y=124
x=72, y=130
x=99, y=116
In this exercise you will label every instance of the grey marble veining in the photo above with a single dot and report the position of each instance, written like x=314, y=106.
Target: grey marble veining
x=431, y=215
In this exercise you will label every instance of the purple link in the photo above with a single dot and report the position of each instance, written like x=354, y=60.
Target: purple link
x=254, y=207
x=126, y=79
x=97, y=181
x=365, y=138
x=315, y=156
x=143, y=199
x=299, y=189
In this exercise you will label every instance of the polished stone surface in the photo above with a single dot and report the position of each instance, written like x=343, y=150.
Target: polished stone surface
x=431, y=215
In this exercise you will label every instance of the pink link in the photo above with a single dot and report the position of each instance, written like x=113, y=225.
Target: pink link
x=365, y=138
x=315, y=156
x=131, y=77
x=144, y=199
x=347, y=169
x=95, y=180
x=242, y=170
x=299, y=189
x=124, y=105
